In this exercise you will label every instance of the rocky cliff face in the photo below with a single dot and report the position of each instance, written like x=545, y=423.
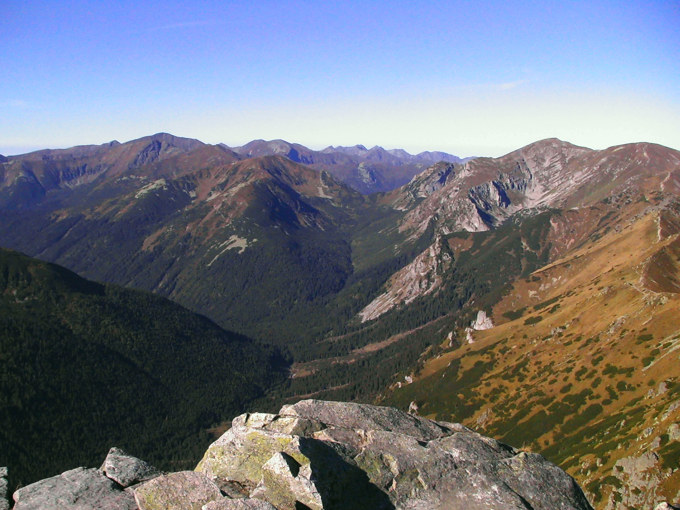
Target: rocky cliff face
x=419, y=278
x=484, y=192
x=324, y=455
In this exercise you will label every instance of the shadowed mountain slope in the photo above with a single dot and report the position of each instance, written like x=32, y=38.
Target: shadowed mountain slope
x=85, y=365
x=247, y=239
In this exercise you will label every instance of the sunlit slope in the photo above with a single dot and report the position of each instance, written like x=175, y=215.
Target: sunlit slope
x=582, y=364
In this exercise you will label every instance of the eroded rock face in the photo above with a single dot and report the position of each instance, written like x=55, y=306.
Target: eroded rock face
x=327, y=455
x=420, y=277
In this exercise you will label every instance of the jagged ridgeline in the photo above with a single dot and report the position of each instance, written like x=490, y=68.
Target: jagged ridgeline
x=85, y=365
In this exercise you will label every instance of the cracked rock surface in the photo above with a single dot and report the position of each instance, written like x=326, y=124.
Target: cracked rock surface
x=79, y=488
x=319, y=455
x=327, y=455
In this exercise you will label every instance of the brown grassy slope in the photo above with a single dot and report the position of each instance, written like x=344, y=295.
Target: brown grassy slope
x=582, y=364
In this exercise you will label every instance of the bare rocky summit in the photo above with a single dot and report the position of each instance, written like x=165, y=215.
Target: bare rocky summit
x=324, y=455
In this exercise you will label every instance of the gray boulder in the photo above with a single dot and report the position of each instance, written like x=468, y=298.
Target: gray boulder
x=126, y=469
x=186, y=490
x=326, y=455
x=351, y=416
x=323, y=456
x=77, y=489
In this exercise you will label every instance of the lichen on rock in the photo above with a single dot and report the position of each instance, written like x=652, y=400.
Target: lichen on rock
x=350, y=455
x=323, y=456
x=186, y=490
x=4, y=504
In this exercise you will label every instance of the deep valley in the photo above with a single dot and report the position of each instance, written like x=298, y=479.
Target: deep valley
x=344, y=274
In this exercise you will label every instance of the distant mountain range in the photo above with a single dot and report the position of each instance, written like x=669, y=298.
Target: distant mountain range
x=571, y=252
x=365, y=170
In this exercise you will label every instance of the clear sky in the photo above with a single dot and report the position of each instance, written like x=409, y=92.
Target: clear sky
x=466, y=77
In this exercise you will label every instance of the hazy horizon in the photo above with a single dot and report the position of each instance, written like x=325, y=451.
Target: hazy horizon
x=471, y=79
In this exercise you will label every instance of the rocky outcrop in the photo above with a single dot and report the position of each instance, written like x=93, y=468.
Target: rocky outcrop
x=482, y=321
x=641, y=478
x=109, y=487
x=324, y=455
x=127, y=470
x=185, y=490
x=78, y=488
x=419, y=278
x=341, y=455
x=665, y=506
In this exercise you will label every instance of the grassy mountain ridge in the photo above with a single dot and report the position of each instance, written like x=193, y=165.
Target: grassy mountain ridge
x=581, y=363
x=86, y=366
x=273, y=226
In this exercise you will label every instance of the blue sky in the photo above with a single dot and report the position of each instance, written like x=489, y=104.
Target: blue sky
x=470, y=78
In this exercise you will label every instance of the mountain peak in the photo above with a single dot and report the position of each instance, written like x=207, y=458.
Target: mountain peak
x=544, y=150
x=186, y=144
x=550, y=144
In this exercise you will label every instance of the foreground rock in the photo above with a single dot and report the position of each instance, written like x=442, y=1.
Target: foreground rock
x=239, y=504
x=106, y=488
x=78, y=488
x=127, y=470
x=322, y=456
x=185, y=490
x=326, y=455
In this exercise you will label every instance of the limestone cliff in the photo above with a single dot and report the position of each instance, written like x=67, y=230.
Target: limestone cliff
x=419, y=278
